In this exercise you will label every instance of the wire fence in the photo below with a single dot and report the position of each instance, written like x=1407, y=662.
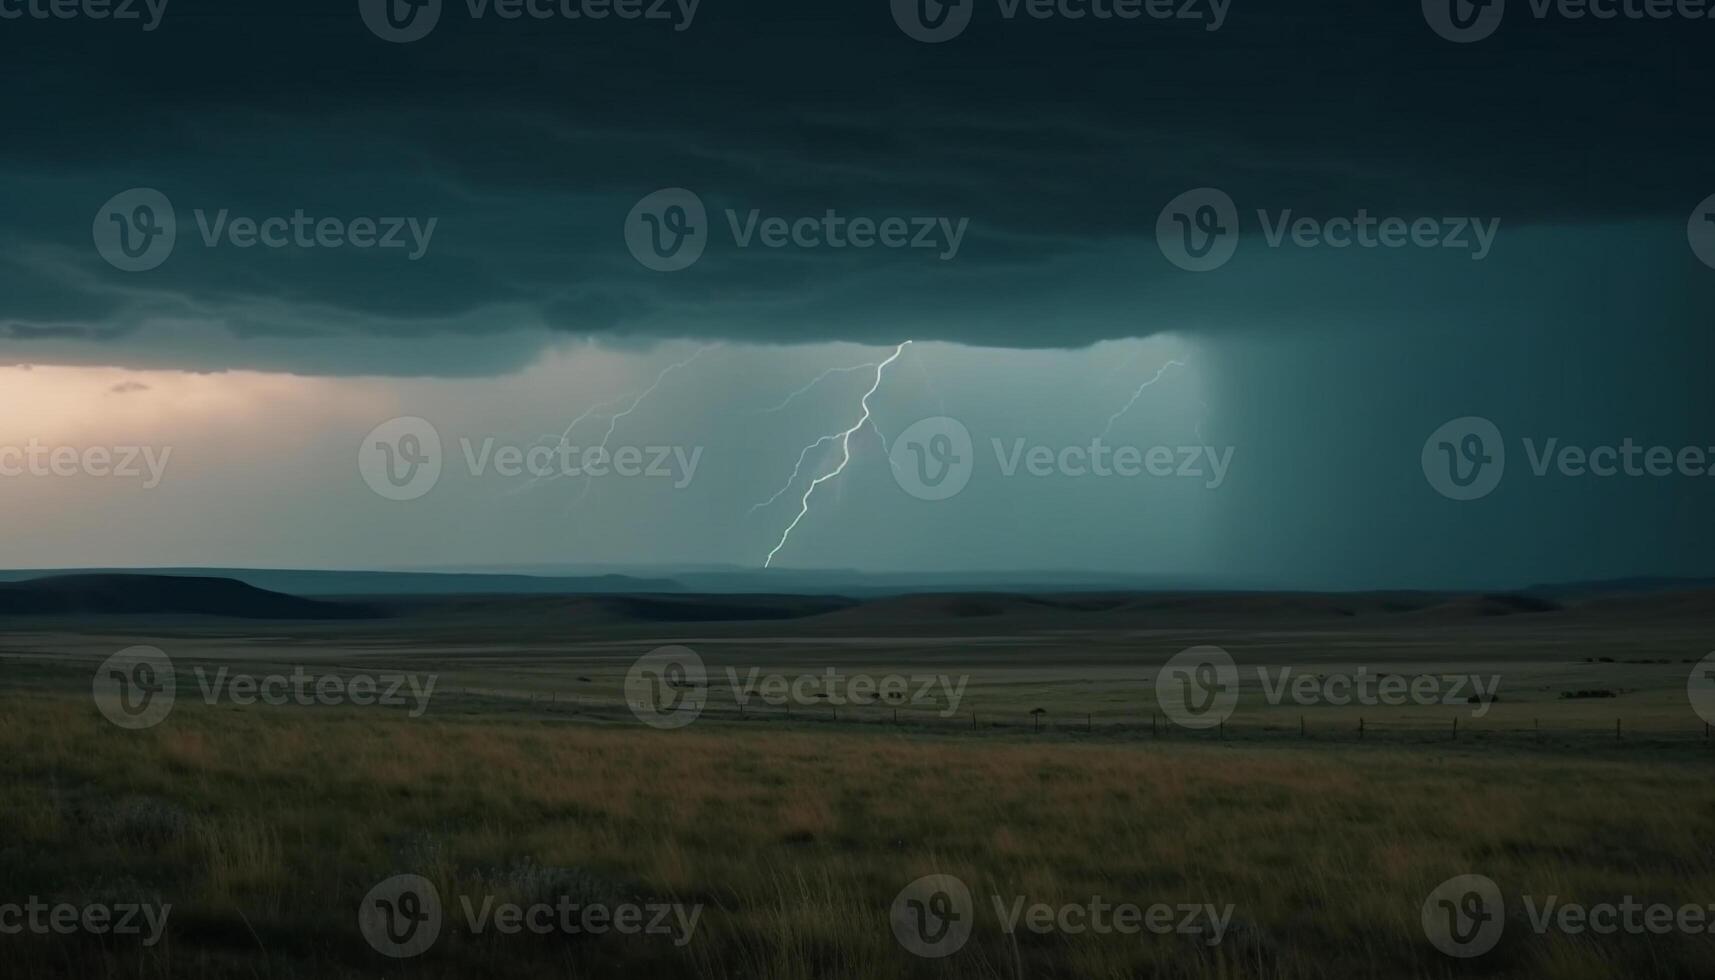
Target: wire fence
x=1455, y=728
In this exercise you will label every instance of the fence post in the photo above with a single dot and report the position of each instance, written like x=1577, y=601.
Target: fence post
x=1455, y=728
x=1089, y=721
x=1360, y=728
x=973, y=721
x=1301, y=729
x=1152, y=724
x=1617, y=729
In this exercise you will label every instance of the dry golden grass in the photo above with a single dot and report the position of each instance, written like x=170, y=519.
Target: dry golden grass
x=265, y=827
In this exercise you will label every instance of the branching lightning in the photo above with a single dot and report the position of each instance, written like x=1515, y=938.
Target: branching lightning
x=1136, y=395
x=845, y=439
x=825, y=375
x=613, y=420
x=565, y=438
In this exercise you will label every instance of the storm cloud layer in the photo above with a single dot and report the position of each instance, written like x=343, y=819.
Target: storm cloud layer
x=1053, y=144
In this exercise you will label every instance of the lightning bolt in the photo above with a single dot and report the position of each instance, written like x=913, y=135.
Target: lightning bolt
x=845, y=439
x=825, y=375
x=564, y=439
x=1136, y=395
x=613, y=420
x=803, y=455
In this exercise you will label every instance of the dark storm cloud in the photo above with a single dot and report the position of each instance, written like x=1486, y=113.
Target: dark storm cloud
x=528, y=142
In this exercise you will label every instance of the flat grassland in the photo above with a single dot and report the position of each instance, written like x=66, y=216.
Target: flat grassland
x=264, y=827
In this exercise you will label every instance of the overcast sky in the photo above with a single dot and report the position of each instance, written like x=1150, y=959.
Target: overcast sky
x=1556, y=288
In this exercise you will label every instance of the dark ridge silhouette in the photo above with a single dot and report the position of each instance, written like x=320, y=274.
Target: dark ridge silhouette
x=592, y=610
x=164, y=595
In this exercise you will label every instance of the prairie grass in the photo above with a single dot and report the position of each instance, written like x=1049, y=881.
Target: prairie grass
x=264, y=828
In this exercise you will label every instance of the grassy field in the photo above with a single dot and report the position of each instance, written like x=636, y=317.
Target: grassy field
x=265, y=827
x=526, y=779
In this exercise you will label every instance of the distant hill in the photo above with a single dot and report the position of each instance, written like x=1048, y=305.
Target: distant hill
x=164, y=595
x=337, y=583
